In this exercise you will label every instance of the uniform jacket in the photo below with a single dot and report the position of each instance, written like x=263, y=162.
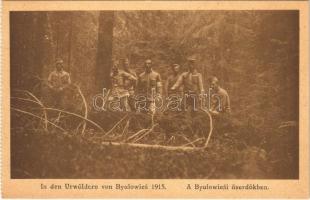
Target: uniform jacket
x=172, y=79
x=59, y=79
x=220, y=101
x=129, y=83
x=191, y=82
x=148, y=81
x=119, y=83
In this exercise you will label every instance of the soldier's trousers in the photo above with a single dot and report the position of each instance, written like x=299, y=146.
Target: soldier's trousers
x=131, y=103
x=57, y=99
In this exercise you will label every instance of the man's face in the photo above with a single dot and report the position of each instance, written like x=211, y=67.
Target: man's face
x=58, y=66
x=115, y=69
x=126, y=64
x=191, y=66
x=176, y=68
x=214, y=85
x=148, y=65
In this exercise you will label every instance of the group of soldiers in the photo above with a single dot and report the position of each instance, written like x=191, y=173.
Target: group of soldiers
x=129, y=87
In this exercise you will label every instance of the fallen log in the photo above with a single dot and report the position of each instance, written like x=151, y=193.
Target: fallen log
x=153, y=146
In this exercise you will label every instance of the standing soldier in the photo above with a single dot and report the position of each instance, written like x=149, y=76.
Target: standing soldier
x=129, y=83
x=220, y=102
x=192, y=85
x=58, y=82
x=119, y=91
x=149, y=85
x=172, y=79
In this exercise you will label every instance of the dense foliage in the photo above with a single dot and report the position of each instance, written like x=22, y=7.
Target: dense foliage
x=253, y=53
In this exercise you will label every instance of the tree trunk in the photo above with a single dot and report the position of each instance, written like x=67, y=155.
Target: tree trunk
x=27, y=31
x=70, y=41
x=40, y=45
x=104, y=52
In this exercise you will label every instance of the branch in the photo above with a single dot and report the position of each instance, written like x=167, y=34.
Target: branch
x=211, y=128
x=136, y=134
x=192, y=142
x=63, y=111
x=156, y=146
x=85, y=105
x=185, y=138
x=145, y=134
x=41, y=104
x=115, y=126
x=33, y=115
x=79, y=116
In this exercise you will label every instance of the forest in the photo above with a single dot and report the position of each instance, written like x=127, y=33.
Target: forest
x=254, y=54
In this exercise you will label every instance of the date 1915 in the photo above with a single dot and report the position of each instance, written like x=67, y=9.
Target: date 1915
x=158, y=187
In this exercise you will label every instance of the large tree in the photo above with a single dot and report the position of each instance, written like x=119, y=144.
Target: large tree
x=104, y=51
x=28, y=46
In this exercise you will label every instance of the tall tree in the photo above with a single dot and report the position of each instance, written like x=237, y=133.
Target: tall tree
x=104, y=51
x=28, y=45
x=70, y=41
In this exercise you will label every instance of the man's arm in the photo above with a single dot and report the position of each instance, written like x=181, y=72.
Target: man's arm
x=134, y=74
x=129, y=76
x=167, y=86
x=136, y=81
x=49, y=80
x=178, y=83
x=201, y=89
x=227, y=106
x=138, y=85
x=67, y=83
x=159, y=85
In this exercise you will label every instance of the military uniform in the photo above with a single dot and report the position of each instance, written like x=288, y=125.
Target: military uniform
x=172, y=79
x=120, y=87
x=130, y=85
x=58, y=81
x=192, y=87
x=149, y=84
x=191, y=81
x=220, y=101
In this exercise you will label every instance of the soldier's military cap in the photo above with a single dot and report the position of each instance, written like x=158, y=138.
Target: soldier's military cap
x=191, y=59
x=59, y=61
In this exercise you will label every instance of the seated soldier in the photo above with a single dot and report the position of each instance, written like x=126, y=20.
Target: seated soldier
x=220, y=102
x=58, y=81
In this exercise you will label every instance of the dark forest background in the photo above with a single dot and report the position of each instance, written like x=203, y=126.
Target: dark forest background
x=255, y=55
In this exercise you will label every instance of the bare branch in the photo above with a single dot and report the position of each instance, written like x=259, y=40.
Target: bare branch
x=136, y=134
x=211, y=128
x=156, y=146
x=107, y=133
x=145, y=134
x=192, y=142
x=41, y=104
x=63, y=111
x=33, y=115
x=85, y=106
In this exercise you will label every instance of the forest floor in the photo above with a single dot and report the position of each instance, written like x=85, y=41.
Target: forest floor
x=68, y=148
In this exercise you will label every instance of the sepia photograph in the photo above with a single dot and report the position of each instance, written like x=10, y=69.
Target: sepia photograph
x=154, y=94
x=155, y=99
